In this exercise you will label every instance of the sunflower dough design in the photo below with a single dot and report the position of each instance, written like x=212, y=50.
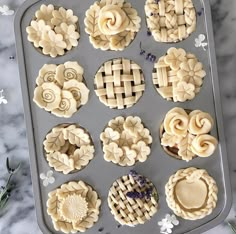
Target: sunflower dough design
x=170, y=20
x=131, y=211
x=126, y=141
x=111, y=24
x=191, y=193
x=60, y=89
x=119, y=83
x=178, y=76
x=74, y=207
x=68, y=148
x=53, y=31
x=185, y=136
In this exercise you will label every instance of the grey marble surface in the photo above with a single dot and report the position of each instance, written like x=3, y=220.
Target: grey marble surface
x=19, y=217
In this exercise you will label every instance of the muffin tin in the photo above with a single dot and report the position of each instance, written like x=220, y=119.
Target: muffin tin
x=94, y=116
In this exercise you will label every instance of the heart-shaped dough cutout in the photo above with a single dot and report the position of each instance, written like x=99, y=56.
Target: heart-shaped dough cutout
x=191, y=195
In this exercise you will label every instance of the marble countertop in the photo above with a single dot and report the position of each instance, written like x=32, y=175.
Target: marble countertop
x=19, y=216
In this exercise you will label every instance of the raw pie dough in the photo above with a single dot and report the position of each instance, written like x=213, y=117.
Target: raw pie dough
x=191, y=193
x=119, y=83
x=185, y=136
x=68, y=148
x=74, y=207
x=178, y=75
x=54, y=31
x=126, y=141
x=129, y=211
x=111, y=24
x=60, y=89
x=170, y=20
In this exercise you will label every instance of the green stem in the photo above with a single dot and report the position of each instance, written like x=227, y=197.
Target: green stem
x=232, y=227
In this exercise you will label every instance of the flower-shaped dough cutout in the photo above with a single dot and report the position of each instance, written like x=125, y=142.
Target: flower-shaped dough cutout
x=45, y=13
x=191, y=71
x=184, y=91
x=53, y=31
x=64, y=16
x=185, y=134
x=125, y=141
x=68, y=148
x=52, y=44
x=74, y=207
x=111, y=25
x=36, y=30
x=69, y=34
x=47, y=74
x=47, y=96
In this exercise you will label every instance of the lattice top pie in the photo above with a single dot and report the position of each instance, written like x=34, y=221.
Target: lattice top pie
x=119, y=83
x=170, y=20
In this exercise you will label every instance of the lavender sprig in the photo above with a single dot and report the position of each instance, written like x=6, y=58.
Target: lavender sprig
x=149, y=57
x=141, y=180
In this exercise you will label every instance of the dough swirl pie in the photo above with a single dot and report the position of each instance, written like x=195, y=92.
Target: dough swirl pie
x=74, y=207
x=185, y=136
x=170, y=20
x=178, y=76
x=60, y=89
x=126, y=141
x=119, y=83
x=111, y=24
x=68, y=148
x=130, y=203
x=191, y=193
x=53, y=31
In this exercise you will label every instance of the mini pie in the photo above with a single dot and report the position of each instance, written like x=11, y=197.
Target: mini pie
x=111, y=24
x=126, y=141
x=185, y=135
x=191, y=193
x=119, y=83
x=170, y=20
x=131, y=211
x=54, y=31
x=178, y=75
x=60, y=89
x=68, y=148
x=74, y=207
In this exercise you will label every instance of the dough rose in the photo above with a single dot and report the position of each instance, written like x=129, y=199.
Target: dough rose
x=176, y=122
x=204, y=145
x=112, y=20
x=200, y=122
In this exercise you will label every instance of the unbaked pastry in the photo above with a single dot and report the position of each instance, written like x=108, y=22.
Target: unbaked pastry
x=191, y=193
x=53, y=31
x=68, y=148
x=178, y=75
x=126, y=141
x=131, y=211
x=111, y=24
x=119, y=83
x=74, y=207
x=170, y=20
x=60, y=89
x=185, y=136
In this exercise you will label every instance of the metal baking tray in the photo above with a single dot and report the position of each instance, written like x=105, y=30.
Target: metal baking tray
x=94, y=116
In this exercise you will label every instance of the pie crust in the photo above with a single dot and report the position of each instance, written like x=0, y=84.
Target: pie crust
x=119, y=83
x=178, y=76
x=74, y=207
x=170, y=20
x=68, y=148
x=126, y=141
x=129, y=211
x=111, y=24
x=191, y=193
x=185, y=134
x=53, y=30
x=60, y=89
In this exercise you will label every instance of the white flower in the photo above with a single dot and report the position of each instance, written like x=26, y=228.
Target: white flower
x=5, y=10
x=48, y=178
x=199, y=41
x=3, y=100
x=168, y=223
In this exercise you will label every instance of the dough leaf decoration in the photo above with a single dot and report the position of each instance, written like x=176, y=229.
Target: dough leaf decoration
x=100, y=42
x=53, y=205
x=185, y=148
x=54, y=141
x=121, y=40
x=64, y=226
